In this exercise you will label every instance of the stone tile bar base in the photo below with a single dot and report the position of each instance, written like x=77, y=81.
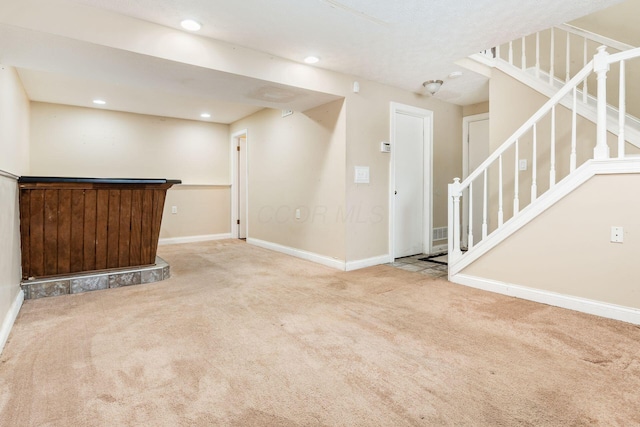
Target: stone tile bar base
x=85, y=282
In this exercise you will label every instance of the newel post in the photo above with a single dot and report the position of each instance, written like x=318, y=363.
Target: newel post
x=454, y=219
x=601, y=67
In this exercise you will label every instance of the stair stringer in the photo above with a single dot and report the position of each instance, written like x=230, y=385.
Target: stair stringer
x=588, y=111
x=563, y=188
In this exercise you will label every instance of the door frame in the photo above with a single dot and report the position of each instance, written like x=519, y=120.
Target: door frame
x=235, y=183
x=427, y=239
x=466, y=121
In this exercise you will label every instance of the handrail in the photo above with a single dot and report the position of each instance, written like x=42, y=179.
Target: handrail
x=598, y=66
x=586, y=70
x=595, y=37
x=623, y=56
x=8, y=175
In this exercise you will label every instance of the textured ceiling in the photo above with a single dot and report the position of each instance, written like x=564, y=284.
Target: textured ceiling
x=400, y=43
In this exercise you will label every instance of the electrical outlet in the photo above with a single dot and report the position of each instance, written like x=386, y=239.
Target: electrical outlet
x=617, y=234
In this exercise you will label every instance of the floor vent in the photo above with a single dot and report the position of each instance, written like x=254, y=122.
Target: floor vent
x=440, y=233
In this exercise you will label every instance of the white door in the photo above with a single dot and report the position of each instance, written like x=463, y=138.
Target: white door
x=410, y=218
x=242, y=187
x=476, y=152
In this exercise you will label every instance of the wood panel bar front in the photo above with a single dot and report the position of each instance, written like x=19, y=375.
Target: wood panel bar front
x=75, y=225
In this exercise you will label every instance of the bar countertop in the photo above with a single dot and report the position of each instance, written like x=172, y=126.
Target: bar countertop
x=52, y=180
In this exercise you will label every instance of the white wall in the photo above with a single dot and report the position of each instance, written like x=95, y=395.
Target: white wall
x=14, y=158
x=92, y=142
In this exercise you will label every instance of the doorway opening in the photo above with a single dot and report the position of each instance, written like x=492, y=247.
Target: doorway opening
x=410, y=199
x=239, y=187
x=475, y=150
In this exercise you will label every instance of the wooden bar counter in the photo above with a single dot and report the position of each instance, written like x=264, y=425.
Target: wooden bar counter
x=73, y=225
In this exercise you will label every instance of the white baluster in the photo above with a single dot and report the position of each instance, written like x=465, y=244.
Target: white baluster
x=470, y=237
x=500, y=212
x=622, y=110
x=585, y=92
x=516, y=186
x=534, y=164
x=572, y=157
x=552, y=170
x=484, y=207
x=523, y=60
x=538, y=54
x=601, y=67
x=552, y=57
x=568, y=59
x=455, y=189
x=511, y=52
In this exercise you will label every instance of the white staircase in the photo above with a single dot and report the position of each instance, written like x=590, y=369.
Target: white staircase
x=565, y=150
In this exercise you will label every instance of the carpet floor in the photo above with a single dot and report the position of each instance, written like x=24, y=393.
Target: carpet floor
x=242, y=336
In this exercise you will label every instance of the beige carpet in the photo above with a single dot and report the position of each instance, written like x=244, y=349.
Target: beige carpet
x=242, y=336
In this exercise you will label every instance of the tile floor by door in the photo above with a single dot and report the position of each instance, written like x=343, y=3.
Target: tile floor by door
x=413, y=263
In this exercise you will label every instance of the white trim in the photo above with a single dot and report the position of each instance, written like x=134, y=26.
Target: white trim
x=299, y=253
x=465, y=139
x=439, y=248
x=598, y=308
x=234, y=180
x=9, y=175
x=466, y=121
x=193, y=239
x=544, y=202
x=10, y=318
x=588, y=111
x=369, y=262
x=394, y=108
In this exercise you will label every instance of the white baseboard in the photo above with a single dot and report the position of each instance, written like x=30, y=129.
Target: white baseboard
x=298, y=253
x=193, y=239
x=369, y=262
x=10, y=318
x=439, y=248
x=598, y=308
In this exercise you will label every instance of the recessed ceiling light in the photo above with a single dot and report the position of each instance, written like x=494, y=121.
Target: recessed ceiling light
x=311, y=59
x=191, y=25
x=205, y=115
x=99, y=101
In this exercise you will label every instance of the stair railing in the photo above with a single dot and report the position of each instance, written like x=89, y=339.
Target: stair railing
x=600, y=65
x=540, y=52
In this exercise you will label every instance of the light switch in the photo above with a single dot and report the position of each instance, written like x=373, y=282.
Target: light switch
x=174, y=209
x=361, y=175
x=523, y=164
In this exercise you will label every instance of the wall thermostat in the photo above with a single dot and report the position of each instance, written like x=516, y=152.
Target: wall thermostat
x=385, y=147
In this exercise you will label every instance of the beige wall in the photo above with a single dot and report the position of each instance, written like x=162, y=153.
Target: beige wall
x=619, y=22
x=76, y=141
x=14, y=125
x=14, y=158
x=472, y=110
x=202, y=210
x=567, y=249
x=513, y=103
x=368, y=123
x=297, y=162
x=347, y=221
